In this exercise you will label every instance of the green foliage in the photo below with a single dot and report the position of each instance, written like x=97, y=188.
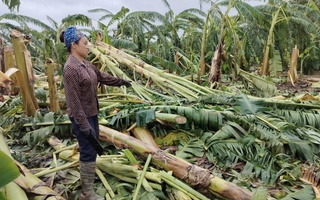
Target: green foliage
x=8, y=169
x=117, y=120
x=305, y=193
x=204, y=118
x=143, y=117
x=37, y=136
x=191, y=149
x=172, y=138
x=148, y=196
x=12, y=4
x=260, y=194
x=8, y=112
x=161, y=63
x=23, y=20
x=2, y=197
x=77, y=19
x=253, y=141
x=301, y=117
x=120, y=44
x=41, y=95
x=252, y=133
x=258, y=85
x=246, y=106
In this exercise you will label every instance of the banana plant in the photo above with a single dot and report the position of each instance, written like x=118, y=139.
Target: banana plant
x=285, y=17
x=45, y=44
x=12, y=4
x=232, y=32
x=8, y=170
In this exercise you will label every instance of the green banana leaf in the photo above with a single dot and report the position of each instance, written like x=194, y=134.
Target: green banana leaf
x=305, y=193
x=2, y=197
x=8, y=170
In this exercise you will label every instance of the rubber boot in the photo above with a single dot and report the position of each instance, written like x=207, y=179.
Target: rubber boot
x=87, y=176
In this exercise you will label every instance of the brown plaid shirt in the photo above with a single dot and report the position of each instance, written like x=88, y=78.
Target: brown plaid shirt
x=80, y=84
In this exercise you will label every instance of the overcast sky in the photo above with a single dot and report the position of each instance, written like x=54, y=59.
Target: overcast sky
x=58, y=9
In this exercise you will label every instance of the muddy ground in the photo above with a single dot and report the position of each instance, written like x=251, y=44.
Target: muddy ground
x=305, y=84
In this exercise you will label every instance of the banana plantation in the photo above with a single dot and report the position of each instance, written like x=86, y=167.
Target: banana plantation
x=224, y=103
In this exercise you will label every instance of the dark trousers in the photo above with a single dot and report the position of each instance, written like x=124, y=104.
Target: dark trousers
x=87, y=152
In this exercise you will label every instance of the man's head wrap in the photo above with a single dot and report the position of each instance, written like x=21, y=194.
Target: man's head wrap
x=72, y=35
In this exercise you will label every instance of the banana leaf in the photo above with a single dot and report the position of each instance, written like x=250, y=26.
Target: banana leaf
x=8, y=170
x=2, y=197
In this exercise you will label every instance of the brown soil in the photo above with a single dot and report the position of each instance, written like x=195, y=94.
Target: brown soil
x=303, y=85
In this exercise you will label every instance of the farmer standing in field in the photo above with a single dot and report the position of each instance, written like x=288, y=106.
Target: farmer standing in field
x=81, y=79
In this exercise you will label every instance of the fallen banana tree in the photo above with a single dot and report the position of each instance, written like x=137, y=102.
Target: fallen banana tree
x=28, y=182
x=170, y=84
x=126, y=168
x=196, y=176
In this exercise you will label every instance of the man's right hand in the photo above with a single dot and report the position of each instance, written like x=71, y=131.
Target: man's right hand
x=126, y=83
x=87, y=131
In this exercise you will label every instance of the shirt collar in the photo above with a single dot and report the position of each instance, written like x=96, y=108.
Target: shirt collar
x=76, y=60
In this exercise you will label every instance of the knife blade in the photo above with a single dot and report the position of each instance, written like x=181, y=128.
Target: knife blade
x=95, y=143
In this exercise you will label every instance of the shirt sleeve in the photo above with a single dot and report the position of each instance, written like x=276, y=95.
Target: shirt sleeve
x=72, y=92
x=107, y=79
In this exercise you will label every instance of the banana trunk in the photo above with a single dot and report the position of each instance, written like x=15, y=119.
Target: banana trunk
x=194, y=175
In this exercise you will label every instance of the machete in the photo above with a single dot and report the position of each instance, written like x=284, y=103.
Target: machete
x=95, y=143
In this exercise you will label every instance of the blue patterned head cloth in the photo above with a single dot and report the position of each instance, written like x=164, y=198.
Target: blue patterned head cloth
x=72, y=35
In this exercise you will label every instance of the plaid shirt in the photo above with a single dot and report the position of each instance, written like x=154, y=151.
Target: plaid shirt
x=80, y=84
